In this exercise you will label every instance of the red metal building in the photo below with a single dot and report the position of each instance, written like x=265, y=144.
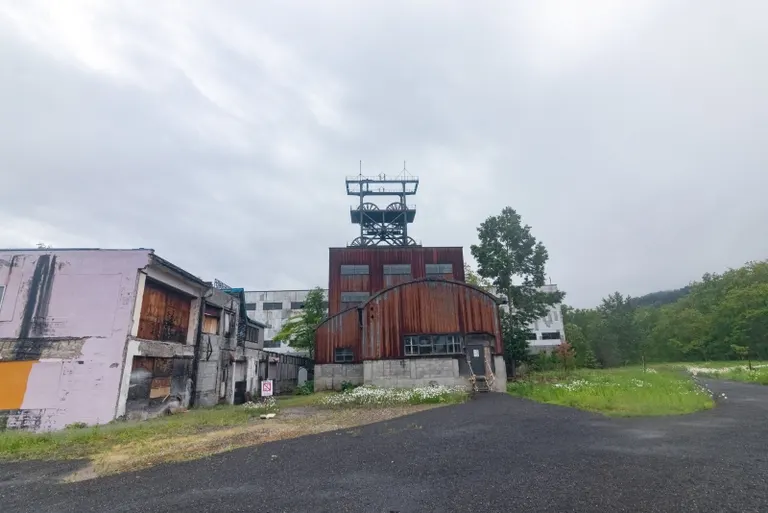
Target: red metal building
x=401, y=314
x=355, y=274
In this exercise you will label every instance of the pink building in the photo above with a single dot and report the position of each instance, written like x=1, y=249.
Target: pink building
x=77, y=326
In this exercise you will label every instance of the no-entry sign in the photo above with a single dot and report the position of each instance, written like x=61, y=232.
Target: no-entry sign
x=266, y=388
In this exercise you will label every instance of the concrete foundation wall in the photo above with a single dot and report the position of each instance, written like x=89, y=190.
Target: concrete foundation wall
x=330, y=376
x=413, y=372
x=405, y=373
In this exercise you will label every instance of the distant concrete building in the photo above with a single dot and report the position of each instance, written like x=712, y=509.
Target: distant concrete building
x=274, y=308
x=548, y=332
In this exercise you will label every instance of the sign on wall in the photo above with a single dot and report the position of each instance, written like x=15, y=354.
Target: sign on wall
x=266, y=388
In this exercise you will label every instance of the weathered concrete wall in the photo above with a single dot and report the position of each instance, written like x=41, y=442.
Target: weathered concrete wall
x=413, y=372
x=500, y=372
x=64, y=319
x=330, y=376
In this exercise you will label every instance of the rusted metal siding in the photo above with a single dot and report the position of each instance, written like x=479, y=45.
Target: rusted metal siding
x=376, y=258
x=341, y=330
x=426, y=306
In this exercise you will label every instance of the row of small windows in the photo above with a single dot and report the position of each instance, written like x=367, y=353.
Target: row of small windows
x=396, y=269
x=415, y=345
x=433, y=344
x=278, y=305
x=547, y=335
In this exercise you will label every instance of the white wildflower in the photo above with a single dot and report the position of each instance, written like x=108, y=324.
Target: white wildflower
x=369, y=395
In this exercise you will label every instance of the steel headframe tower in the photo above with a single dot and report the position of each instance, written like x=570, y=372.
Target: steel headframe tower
x=383, y=226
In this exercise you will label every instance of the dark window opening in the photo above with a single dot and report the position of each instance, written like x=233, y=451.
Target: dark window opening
x=416, y=345
x=272, y=305
x=250, y=306
x=271, y=344
x=397, y=269
x=343, y=355
x=438, y=269
x=350, y=299
x=530, y=335
x=550, y=335
x=352, y=270
x=252, y=334
x=297, y=305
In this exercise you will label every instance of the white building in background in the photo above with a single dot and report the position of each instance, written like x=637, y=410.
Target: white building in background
x=274, y=308
x=548, y=332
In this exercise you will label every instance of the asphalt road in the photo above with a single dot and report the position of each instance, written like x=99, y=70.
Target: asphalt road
x=493, y=454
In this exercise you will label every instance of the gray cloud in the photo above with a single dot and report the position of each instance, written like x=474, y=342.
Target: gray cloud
x=631, y=140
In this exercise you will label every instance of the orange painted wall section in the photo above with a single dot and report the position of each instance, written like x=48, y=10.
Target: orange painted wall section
x=13, y=383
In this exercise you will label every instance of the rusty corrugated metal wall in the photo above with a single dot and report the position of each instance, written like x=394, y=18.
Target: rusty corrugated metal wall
x=376, y=258
x=426, y=306
x=340, y=330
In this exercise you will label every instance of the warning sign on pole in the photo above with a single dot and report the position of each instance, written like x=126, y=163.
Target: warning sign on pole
x=266, y=388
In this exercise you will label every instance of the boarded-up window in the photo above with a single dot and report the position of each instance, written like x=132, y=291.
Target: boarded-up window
x=211, y=320
x=164, y=314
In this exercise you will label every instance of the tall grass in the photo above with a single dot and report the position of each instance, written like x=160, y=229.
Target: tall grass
x=616, y=392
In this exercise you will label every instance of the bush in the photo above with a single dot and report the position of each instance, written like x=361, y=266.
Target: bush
x=347, y=385
x=308, y=388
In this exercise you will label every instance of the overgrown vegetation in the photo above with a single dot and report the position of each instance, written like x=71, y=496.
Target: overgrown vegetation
x=374, y=396
x=308, y=388
x=84, y=441
x=299, y=331
x=722, y=317
x=616, y=392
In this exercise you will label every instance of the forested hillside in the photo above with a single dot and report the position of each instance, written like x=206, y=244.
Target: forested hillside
x=718, y=318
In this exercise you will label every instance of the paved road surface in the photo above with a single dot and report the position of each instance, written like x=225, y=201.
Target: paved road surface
x=492, y=454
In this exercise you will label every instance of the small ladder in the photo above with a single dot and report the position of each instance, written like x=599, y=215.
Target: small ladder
x=481, y=383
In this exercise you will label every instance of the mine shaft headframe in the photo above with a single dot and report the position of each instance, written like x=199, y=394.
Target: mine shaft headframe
x=387, y=225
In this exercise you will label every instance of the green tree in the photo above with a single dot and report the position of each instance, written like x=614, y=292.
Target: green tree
x=471, y=277
x=511, y=258
x=299, y=331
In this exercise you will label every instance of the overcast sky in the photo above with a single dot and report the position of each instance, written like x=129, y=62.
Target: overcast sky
x=631, y=135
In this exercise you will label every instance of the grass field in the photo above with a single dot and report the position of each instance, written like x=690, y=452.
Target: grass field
x=734, y=371
x=622, y=392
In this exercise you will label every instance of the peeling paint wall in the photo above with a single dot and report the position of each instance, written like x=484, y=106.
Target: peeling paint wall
x=64, y=321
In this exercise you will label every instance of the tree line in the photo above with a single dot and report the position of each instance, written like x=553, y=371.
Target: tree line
x=721, y=317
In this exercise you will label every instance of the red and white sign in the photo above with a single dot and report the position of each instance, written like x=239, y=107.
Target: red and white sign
x=266, y=388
